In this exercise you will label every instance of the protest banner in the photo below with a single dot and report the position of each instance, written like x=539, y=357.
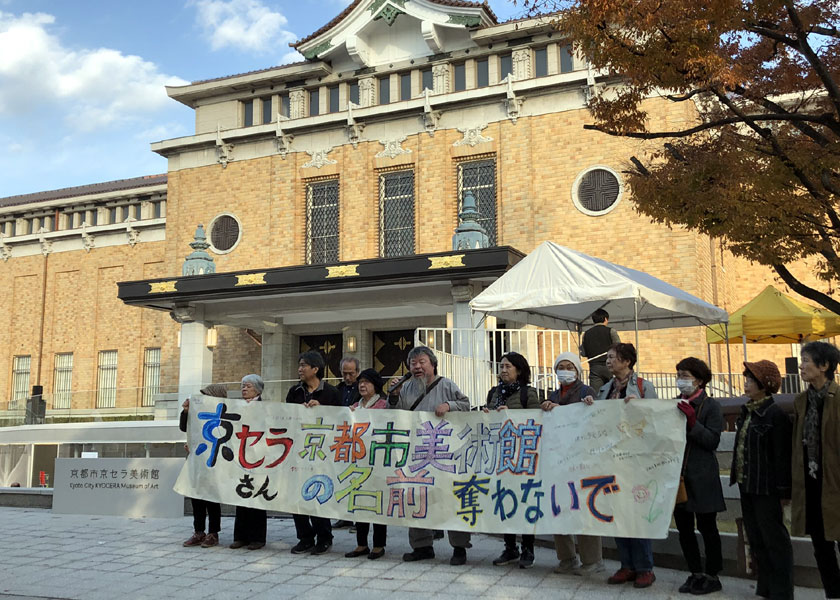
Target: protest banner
x=612, y=468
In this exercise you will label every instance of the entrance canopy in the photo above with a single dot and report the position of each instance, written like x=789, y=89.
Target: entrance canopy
x=776, y=318
x=558, y=288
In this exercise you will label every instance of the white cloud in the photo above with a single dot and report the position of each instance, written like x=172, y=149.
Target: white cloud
x=247, y=25
x=88, y=88
x=291, y=57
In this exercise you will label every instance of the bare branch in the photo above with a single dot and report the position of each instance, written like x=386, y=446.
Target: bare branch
x=806, y=291
x=639, y=166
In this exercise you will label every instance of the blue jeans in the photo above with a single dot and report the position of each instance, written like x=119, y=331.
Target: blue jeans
x=635, y=554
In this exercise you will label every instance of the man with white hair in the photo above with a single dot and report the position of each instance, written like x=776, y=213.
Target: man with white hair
x=429, y=392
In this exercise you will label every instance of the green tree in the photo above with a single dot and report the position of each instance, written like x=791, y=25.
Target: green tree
x=758, y=168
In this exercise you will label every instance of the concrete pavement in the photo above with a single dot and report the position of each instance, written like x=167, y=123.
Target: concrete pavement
x=48, y=555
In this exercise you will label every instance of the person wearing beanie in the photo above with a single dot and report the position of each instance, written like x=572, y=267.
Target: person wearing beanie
x=514, y=392
x=371, y=397
x=202, y=509
x=761, y=468
x=250, y=524
x=570, y=390
x=701, y=476
x=815, y=506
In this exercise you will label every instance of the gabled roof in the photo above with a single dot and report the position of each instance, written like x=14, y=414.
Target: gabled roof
x=85, y=190
x=335, y=21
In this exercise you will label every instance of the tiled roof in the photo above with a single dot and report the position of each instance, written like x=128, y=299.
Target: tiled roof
x=355, y=3
x=301, y=62
x=84, y=190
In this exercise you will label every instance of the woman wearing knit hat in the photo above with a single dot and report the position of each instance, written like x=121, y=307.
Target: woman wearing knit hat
x=514, y=391
x=570, y=390
x=761, y=468
x=204, y=508
x=372, y=397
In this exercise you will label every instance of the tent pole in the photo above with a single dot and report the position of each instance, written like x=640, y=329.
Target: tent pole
x=728, y=359
x=744, y=338
x=636, y=322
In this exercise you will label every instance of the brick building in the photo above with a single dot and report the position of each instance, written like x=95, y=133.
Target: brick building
x=323, y=186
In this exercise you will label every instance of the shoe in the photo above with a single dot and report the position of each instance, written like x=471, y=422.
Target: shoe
x=526, y=561
x=237, y=544
x=376, y=554
x=302, y=547
x=342, y=523
x=210, y=540
x=358, y=552
x=623, y=575
x=322, y=547
x=568, y=566
x=692, y=580
x=195, y=539
x=419, y=554
x=707, y=585
x=644, y=579
x=256, y=545
x=507, y=556
x=590, y=569
x=459, y=556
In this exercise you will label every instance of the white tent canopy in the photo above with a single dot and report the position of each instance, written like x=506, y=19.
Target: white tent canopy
x=559, y=288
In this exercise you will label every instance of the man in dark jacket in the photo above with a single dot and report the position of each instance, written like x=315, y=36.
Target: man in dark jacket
x=314, y=533
x=594, y=345
x=348, y=389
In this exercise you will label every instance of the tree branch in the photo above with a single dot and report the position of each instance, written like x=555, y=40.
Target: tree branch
x=803, y=290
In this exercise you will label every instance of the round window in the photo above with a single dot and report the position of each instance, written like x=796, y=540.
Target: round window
x=597, y=190
x=225, y=233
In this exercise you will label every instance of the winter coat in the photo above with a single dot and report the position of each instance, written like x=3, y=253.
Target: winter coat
x=532, y=398
x=648, y=390
x=701, y=469
x=766, y=451
x=830, y=441
x=577, y=393
x=325, y=394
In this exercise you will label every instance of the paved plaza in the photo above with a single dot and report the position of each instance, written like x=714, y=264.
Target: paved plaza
x=48, y=555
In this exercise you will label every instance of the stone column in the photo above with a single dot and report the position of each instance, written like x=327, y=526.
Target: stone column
x=279, y=362
x=196, y=361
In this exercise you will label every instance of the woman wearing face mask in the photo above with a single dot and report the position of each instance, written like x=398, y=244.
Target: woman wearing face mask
x=513, y=391
x=571, y=390
x=701, y=473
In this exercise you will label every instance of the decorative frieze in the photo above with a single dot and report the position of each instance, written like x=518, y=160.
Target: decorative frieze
x=440, y=78
x=87, y=239
x=297, y=104
x=393, y=148
x=319, y=158
x=367, y=91
x=472, y=136
x=521, y=59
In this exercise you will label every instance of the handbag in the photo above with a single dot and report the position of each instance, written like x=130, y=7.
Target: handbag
x=682, y=491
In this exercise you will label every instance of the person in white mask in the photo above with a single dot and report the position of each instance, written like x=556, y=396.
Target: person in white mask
x=701, y=477
x=570, y=390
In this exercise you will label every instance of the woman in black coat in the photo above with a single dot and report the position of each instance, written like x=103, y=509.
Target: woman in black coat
x=704, y=423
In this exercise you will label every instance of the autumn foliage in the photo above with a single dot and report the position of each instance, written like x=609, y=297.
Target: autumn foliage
x=759, y=168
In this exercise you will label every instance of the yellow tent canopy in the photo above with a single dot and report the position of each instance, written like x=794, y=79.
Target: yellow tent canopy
x=775, y=318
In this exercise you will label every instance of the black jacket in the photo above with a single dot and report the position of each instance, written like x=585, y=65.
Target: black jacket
x=767, y=451
x=354, y=394
x=327, y=395
x=701, y=470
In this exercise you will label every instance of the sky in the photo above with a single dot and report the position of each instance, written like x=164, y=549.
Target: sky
x=82, y=91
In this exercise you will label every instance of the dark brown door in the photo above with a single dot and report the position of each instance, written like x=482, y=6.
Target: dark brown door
x=329, y=346
x=390, y=350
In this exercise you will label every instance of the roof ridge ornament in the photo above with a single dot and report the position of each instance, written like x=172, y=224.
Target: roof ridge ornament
x=198, y=262
x=470, y=234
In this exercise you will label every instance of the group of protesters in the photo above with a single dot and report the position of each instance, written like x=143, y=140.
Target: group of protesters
x=773, y=460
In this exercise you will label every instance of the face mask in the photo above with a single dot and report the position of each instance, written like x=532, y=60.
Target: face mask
x=566, y=376
x=686, y=386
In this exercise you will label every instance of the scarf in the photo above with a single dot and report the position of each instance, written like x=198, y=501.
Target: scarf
x=811, y=427
x=505, y=391
x=751, y=406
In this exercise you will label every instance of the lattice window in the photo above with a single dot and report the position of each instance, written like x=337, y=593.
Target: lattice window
x=480, y=177
x=596, y=191
x=224, y=233
x=20, y=381
x=396, y=214
x=63, y=380
x=151, y=375
x=322, y=222
x=106, y=381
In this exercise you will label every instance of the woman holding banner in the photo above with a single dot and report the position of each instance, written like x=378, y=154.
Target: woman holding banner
x=513, y=391
x=202, y=509
x=636, y=554
x=372, y=397
x=250, y=523
x=701, y=478
x=572, y=390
